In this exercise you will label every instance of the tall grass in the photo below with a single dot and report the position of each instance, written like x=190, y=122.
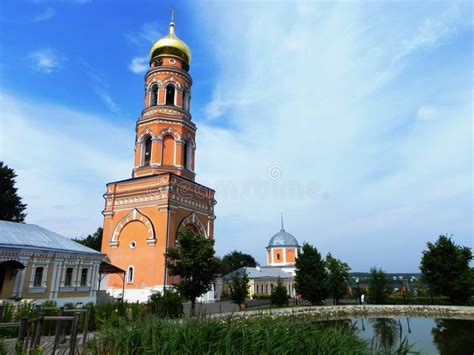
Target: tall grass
x=256, y=335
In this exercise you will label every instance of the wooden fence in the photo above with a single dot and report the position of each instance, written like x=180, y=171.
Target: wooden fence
x=29, y=332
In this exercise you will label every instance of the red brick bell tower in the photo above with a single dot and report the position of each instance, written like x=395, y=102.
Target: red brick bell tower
x=143, y=214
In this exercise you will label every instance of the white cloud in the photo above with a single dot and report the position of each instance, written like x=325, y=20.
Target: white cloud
x=218, y=106
x=138, y=65
x=148, y=33
x=107, y=99
x=63, y=159
x=46, y=60
x=101, y=86
x=426, y=112
x=46, y=15
x=316, y=91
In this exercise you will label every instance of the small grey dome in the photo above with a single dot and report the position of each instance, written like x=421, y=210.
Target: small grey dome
x=283, y=238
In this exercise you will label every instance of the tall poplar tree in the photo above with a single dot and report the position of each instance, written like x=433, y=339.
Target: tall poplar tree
x=338, y=279
x=11, y=207
x=311, y=275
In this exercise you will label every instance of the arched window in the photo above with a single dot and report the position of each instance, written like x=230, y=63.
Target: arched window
x=68, y=278
x=154, y=95
x=147, y=151
x=38, y=279
x=84, y=274
x=170, y=90
x=130, y=274
x=185, y=99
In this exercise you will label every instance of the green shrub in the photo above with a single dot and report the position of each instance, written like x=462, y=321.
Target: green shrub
x=261, y=297
x=24, y=310
x=438, y=300
x=6, y=317
x=3, y=350
x=169, y=304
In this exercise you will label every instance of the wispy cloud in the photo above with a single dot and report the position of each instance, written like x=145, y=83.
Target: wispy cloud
x=219, y=105
x=46, y=60
x=311, y=89
x=47, y=14
x=65, y=163
x=148, y=33
x=433, y=31
x=138, y=65
x=101, y=88
x=426, y=112
x=107, y=99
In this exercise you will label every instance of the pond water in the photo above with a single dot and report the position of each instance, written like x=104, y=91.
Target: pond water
x=423, y=335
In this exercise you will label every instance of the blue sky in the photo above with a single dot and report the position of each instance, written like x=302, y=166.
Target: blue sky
x=354, y=119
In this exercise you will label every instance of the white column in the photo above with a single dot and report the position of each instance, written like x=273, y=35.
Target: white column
x=32, y=276
x=284, y=255
x=45, y=275
x=54, y=280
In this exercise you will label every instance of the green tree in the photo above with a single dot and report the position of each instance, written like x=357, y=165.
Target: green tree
x=93, y=241
x=11, y=207
x=379, y=286
x=279, y=296
x=311, y=275
x=445, y=267
x=194, y=262
x=235, y=260
x=338, y=277
x=239, y=289
x=167, y=304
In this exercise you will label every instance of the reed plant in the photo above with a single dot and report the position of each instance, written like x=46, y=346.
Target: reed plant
x=260, y=334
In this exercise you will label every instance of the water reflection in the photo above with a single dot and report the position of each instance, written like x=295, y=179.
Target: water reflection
x=388, y=336
x=453, y=336
x=417, y=335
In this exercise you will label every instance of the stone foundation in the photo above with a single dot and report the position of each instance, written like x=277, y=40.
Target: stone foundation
x=368, y=311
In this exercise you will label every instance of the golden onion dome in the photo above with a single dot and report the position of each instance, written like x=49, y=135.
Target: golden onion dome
x=171, y=45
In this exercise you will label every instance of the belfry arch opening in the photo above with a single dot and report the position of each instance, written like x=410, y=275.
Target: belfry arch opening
x=154, y=95
x=147, y=143
x=170, y=92
x=187, y=155
x=185, y=99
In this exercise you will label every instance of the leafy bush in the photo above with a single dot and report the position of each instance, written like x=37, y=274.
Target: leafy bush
x=3, y=350
x=261, y=297
x=439, y=300
x=168, y=305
